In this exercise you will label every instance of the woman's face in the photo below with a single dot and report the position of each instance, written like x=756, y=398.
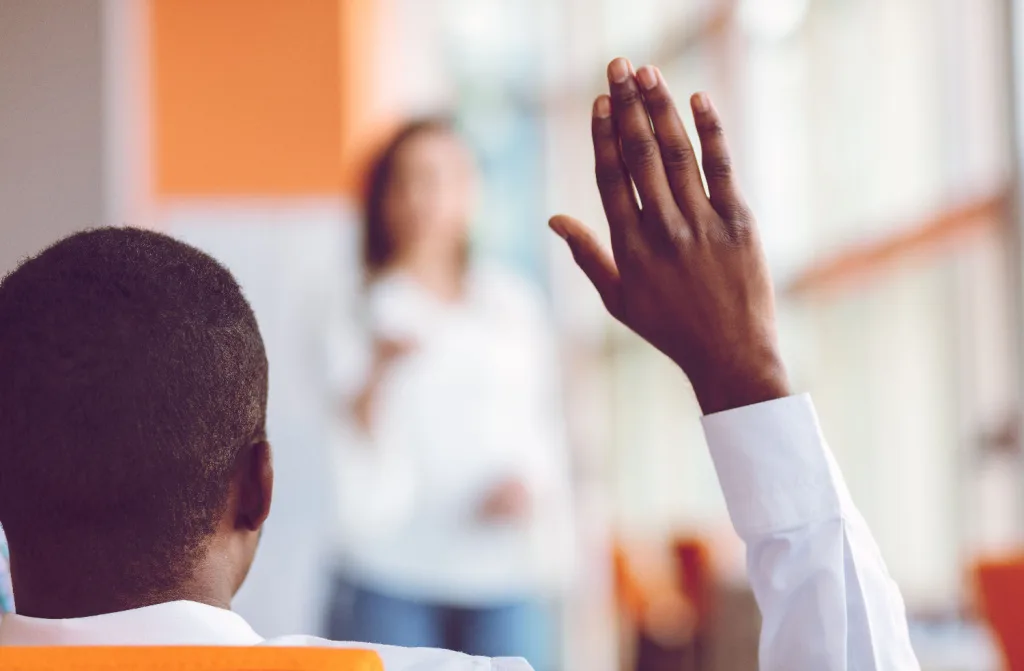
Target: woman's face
x=429, y=200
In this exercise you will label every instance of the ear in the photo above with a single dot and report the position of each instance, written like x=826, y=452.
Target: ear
x=255, y=487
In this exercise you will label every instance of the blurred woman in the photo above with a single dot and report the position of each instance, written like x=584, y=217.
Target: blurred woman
x=454, y=494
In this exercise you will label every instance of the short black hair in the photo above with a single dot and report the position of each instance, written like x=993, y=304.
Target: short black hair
x=132, y=374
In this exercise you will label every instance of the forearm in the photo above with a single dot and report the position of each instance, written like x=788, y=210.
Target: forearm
x=361, y=405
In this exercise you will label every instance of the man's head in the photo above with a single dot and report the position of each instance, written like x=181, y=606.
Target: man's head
x=134, y=467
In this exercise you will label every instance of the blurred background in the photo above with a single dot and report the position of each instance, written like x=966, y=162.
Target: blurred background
x=878, y=144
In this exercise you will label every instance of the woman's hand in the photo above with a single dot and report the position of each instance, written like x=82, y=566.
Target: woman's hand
x=687, y=271
x=507, y=502
x=386, y=352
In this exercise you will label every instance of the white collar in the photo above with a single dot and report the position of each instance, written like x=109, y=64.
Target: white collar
x=173, y=623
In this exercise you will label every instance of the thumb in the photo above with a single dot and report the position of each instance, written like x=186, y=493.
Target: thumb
x=592, y=258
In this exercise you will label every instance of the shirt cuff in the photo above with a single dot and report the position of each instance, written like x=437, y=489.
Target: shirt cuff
x=774, y=466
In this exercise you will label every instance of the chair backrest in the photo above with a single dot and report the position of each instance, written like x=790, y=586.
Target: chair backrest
x=1001, y=590
x=629, y=593
x=260, y=658
x=696, y=574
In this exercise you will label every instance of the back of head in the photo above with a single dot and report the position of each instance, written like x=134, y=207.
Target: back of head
x=132, y=374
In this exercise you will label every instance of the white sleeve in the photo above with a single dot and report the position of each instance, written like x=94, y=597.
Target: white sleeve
x=349, y=353
x=374, y=488
x=826, y=598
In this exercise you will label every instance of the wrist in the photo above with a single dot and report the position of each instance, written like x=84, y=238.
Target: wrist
x=730, y=386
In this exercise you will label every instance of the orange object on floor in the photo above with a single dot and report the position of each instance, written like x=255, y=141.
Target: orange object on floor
x=696, y=575
x=1001, y=589
x=665, y=592
x=629, y=592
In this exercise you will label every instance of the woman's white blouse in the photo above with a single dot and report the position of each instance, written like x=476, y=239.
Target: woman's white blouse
x=475, y=403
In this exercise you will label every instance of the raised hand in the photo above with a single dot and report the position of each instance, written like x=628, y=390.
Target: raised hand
x=687, y=271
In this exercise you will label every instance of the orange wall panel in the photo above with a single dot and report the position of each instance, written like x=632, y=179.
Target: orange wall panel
x=246, y=97
x=367, y=120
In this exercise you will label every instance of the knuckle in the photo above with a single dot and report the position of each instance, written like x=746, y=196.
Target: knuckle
x=712, y=128
x=608, y=176
x=681, y=237
x=626, y=96
x=737, y=214
x=640, y=150
x=666, y=230
x=733, y=223
x=718, y=168
x=636, y=246
x=677, y=155
x=740, y=225
x=741, y=234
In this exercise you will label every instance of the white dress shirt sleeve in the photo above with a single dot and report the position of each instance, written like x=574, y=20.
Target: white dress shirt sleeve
x=826, y=598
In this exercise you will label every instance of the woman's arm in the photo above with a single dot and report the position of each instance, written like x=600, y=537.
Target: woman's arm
x=363, y=403
x=374, y=487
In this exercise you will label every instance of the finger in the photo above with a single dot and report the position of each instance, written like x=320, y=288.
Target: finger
x=722, y=187
x=639, y=146
x=593, y=260
x=613, y=180
x=677, y=153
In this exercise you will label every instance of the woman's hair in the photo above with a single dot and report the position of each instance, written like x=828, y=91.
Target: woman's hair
x=379, y=241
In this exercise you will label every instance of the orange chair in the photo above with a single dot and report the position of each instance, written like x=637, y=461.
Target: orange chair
x=1000, y=587
x=629, y=591
x=654, y=599
x=187, y=659
x=696, y=575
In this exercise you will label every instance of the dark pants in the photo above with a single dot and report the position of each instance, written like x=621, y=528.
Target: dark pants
x=517, y=629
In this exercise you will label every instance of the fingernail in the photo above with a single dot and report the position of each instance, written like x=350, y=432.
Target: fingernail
x=602, y=107
x=701, y=102
x=619, y=70
x=648, y=77
x=557, y=227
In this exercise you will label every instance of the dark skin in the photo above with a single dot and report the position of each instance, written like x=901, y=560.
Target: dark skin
x=216, y=578
x=686, y=269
